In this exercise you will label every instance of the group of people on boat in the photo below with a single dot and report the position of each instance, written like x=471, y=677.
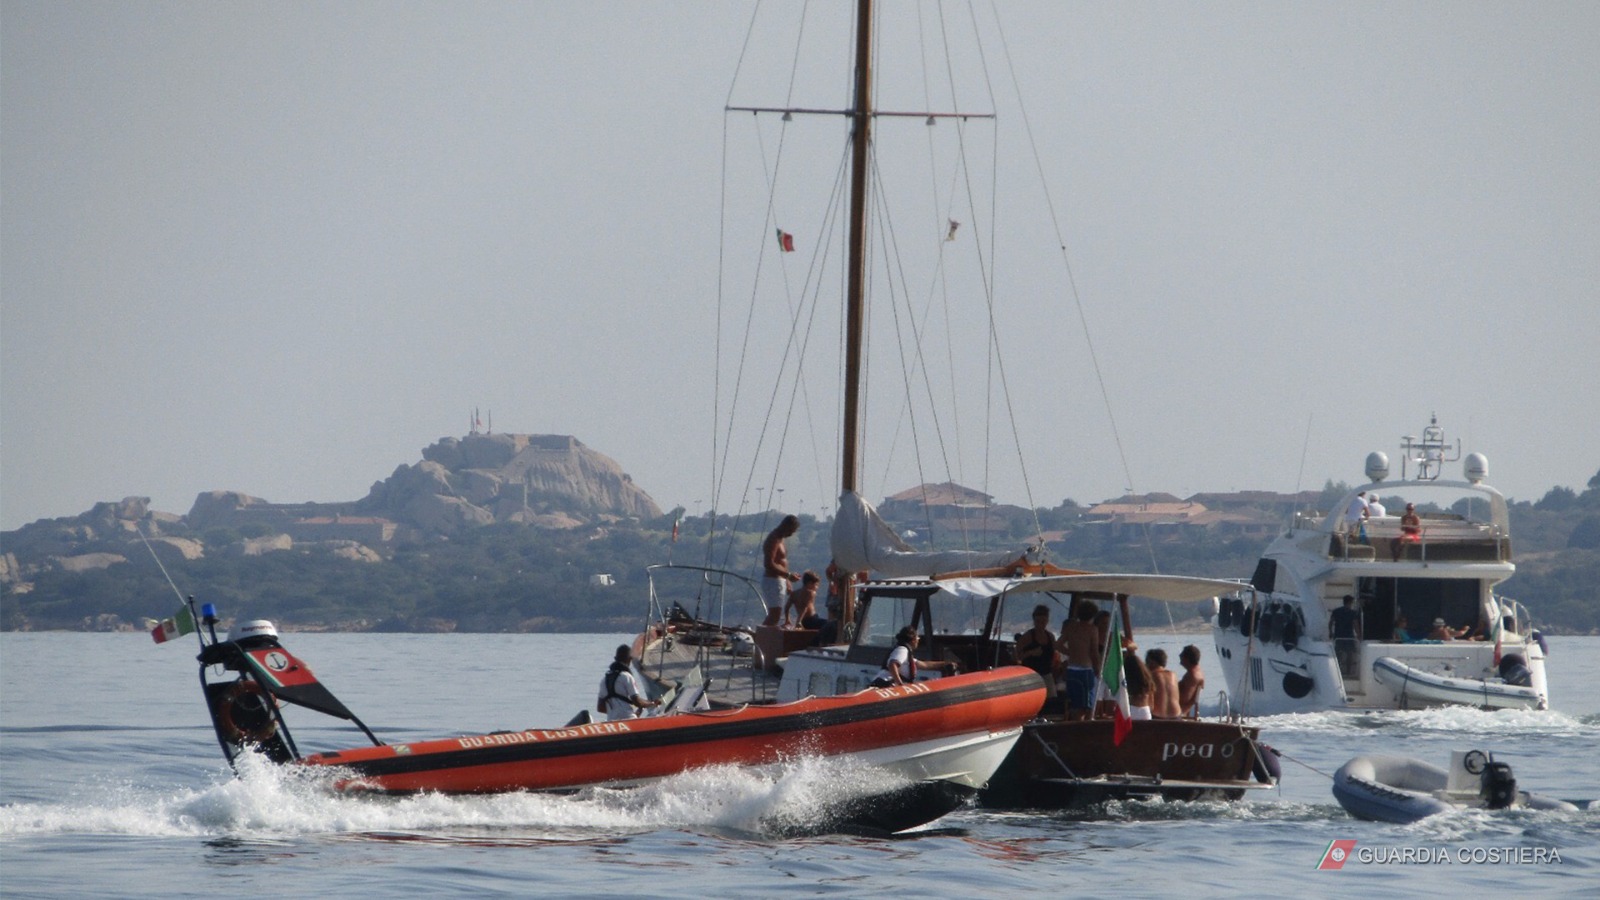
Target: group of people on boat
x=1440, y=632
x=1346, y=629
x=1071, y=666
x=796, y=607
x=1363, y=508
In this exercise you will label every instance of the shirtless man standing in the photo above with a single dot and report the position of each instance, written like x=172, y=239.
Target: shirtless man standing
x=1080, y=649
x=775, y=574
x=1163, y=686
x=1192, y=682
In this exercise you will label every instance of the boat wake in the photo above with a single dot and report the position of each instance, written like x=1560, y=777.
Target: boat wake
x=1451, y=721
x=270, y=802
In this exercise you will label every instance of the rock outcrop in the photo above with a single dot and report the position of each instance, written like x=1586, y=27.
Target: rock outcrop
x=220, y=508
x=539, y=479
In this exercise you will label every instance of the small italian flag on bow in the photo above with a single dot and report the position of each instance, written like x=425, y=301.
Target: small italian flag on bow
x=1112, y=687
x=181, y=623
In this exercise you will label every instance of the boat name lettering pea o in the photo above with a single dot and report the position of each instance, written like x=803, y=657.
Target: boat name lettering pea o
x=1190, y=751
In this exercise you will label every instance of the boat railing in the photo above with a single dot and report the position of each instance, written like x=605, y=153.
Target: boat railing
x=1520, y=620
x=711, y=610
x=1306, y=520
x=1383, y=541
x=1225, y=708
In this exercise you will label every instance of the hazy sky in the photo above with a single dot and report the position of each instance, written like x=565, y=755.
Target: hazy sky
x=279, y=248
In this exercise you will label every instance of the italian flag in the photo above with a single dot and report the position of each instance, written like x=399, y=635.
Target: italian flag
x=1112, y=687
x=785, y=241
x=181, y=623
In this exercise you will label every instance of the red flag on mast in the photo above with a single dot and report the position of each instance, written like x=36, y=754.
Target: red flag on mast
x=785, y=241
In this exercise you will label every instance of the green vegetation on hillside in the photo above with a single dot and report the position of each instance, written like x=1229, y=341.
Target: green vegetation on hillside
x=515, y=578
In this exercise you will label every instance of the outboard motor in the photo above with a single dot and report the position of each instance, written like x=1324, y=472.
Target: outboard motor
x=254, y=633
x=1514, y=670
x=1498, y=786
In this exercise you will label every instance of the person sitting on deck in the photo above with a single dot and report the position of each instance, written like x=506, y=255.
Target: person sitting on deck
x=902, y=665
x=803, y=600
x=1163, y=686
x=1443, y=632
x=619, y=692
x=1402, y=633
x=1410, y=530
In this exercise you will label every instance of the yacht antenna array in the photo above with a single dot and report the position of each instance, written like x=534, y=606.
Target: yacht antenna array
x=1429, y=453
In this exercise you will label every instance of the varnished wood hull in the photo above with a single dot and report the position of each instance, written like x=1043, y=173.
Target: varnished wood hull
x=1068, y=764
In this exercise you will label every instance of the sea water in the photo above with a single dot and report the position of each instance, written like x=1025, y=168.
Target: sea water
x=111, y=784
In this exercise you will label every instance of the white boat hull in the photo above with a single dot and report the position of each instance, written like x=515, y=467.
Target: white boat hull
x=968, y=760
x=1270, y=679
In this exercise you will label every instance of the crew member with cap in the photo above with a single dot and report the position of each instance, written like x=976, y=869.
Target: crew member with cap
x=619, y=692
x=1355, y=517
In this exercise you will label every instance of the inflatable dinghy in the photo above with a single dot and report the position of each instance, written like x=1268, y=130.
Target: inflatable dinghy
x=940, y=740
x=1425, y=688
x=1401, y=789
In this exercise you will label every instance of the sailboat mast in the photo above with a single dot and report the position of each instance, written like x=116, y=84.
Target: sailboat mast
x=855, y=293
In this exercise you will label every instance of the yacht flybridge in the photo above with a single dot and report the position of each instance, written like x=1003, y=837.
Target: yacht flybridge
x=1420, y=560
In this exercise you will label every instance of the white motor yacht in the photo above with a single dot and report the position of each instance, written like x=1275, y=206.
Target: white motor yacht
x=1421, y=574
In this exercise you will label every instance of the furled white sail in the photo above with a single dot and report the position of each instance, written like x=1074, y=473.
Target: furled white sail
x=862, y=541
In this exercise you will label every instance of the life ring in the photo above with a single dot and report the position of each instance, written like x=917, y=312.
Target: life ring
x=244, y=713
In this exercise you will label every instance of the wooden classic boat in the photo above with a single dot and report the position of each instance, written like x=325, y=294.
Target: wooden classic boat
x=1061, y=764
x=938, y=743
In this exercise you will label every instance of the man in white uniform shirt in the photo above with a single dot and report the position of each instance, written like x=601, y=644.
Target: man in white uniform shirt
x=619, y=691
